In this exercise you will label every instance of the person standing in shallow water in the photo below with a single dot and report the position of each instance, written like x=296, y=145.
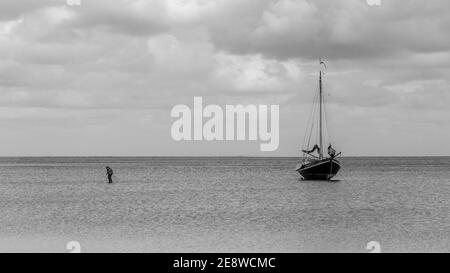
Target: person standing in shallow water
x=109, y=173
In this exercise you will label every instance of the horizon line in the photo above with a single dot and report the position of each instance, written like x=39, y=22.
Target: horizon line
x=197, y=156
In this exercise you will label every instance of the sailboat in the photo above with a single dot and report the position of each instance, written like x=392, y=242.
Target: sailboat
x=315, y=165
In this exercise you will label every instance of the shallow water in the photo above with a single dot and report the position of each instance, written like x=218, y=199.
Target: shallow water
x=223, y=205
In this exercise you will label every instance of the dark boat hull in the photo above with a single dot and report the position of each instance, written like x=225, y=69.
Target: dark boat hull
x=320, y=169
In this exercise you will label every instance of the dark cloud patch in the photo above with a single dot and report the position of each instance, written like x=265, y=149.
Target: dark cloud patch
x=338, y=29
x=126, y=17
x=10, y=10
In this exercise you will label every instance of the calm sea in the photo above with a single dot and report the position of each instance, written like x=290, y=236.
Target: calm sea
x=223, y=205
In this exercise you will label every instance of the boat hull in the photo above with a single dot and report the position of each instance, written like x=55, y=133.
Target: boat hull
x=320, y=169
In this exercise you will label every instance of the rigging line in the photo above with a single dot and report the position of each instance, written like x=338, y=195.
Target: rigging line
x=328, y=124
x=307, y=126
x=309, y=139
x=311, y=129
x=310, y=133
x=309, y=121
x=319, y=113
x=326, y=113
x=316, y=109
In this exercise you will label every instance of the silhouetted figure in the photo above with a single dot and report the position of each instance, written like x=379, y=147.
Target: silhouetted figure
x=331, y=151
x=109, y=173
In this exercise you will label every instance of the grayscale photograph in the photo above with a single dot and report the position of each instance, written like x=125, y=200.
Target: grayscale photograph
x=224, y=126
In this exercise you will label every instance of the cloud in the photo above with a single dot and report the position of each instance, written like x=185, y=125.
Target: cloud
x=348, y=29
x=10, y=10
x=255, y=73
x=123, y=64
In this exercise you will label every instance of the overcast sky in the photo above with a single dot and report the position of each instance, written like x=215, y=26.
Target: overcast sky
x=102, y=77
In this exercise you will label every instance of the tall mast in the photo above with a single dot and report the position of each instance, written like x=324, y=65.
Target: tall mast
x=320, y=115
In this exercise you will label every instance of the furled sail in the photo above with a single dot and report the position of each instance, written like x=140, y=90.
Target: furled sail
x=316, y=147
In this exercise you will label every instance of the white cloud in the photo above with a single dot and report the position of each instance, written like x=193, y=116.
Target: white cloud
x=254, y=73
x=285, y=16
x=7, y=27
x=123, y=64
